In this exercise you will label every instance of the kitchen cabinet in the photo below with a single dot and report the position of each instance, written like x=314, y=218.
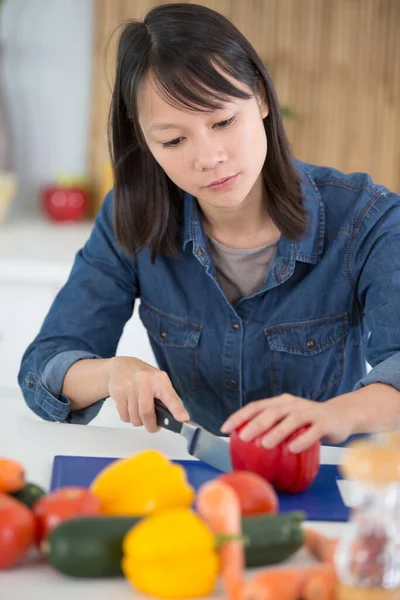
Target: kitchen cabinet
x=22, y=310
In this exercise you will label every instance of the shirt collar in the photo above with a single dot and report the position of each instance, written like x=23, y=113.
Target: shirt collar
x=193, y=230
x=308, y=249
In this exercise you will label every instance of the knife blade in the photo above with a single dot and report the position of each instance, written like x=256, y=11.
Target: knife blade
x=201, y=444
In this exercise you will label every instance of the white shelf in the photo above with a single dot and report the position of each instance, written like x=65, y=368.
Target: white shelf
x=38, y=251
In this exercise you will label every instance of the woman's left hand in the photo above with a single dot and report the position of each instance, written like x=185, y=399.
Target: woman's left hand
x=330, y=420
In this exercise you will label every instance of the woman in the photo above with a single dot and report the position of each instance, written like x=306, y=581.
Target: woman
x=265, y=283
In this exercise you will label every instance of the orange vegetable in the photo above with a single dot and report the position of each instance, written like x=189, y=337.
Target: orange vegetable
x=219, y=506
x=275, y=584
x=320, y=584
x=308, y=583
x=12, y=476
x=320, y=546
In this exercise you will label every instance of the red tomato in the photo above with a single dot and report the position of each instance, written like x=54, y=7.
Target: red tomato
x=65, y=203
x=285, y=470
x=256, y=495
x=17, y=531
x=60, y=505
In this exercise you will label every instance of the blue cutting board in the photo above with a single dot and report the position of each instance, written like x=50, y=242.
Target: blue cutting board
x=321, y=502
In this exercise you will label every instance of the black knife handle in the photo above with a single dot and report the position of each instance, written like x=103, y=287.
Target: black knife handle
x=165, y=418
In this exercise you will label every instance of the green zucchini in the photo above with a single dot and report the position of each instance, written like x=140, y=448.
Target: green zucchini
x=88, y=546
x=272, y=538
x=92, y=546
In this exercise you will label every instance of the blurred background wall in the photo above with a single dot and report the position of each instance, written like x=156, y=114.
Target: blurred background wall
x=335, y=64
x=46, y=68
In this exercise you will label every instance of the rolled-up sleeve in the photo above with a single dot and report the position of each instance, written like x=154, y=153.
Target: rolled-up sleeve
x=387, y=371
x=86, y=320
x=376, y=276
x=52, y=401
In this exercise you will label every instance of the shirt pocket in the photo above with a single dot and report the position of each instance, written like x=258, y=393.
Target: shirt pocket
x=307, y=357
x=175, y=344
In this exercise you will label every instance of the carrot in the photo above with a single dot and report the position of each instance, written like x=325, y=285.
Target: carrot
x=317, y=582
x=320, y=546
x=275, y=584
x=219, y=506
x=320, y=584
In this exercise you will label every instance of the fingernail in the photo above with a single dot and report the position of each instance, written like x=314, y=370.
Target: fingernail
x=294, y=447
x=183, y=415
x=246, y=435
x=267, y=443
x=225, y=428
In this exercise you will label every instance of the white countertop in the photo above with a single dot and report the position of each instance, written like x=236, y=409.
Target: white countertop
x=38, y=250
x=34, y=443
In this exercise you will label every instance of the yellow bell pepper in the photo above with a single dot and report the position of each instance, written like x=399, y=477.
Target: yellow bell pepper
x=171, y=554
x=141, y=484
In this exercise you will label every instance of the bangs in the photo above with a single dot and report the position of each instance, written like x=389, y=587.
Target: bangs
x=198, y=85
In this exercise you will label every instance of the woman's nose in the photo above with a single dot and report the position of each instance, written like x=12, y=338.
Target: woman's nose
x=208, y=156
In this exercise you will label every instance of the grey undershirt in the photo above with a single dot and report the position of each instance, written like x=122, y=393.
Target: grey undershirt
x=241, y=273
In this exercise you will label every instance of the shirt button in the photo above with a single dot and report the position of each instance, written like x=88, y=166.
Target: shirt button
x=284, y=270
x=233, y=383
x=164, y=335
x=201, y=251
x=236, y=326
x=30, y=382
x=311, y=344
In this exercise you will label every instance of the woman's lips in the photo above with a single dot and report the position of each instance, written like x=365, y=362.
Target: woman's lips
x=223, y=183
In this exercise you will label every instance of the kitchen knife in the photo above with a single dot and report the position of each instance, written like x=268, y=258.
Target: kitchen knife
x=200, y=443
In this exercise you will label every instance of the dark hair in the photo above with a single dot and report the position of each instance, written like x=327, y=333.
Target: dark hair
x=181, y=45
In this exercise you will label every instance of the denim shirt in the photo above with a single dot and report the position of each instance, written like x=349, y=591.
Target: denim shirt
x=329, y=303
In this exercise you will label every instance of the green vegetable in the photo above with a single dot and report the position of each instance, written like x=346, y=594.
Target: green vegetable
x=272, y=537
x=92, y=546
x=29, y=494
x=88, y=546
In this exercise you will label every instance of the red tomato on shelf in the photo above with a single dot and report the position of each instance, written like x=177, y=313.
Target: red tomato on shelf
x=65, y=203
x=256, y=496
x=17, y=531
x=285, y=470
x=60, y=505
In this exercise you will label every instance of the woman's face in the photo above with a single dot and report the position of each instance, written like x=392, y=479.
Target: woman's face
x=197, y=149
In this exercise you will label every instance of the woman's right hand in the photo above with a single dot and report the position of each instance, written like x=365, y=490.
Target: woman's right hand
x=133, y=385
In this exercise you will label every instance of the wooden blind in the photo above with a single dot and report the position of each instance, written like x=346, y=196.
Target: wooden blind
x=335, y=63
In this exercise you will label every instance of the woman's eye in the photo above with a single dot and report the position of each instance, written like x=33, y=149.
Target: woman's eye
x=225, y=123
x=173, y=143
x=221, y=125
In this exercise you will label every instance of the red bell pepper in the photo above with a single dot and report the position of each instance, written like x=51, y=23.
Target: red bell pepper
x=285, y=470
